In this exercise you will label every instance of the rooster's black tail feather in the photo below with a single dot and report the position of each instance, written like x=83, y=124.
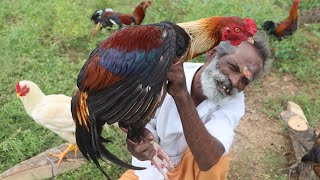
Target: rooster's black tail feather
x=88, y=134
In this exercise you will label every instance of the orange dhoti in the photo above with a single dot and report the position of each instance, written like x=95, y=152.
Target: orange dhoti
x=188, y=169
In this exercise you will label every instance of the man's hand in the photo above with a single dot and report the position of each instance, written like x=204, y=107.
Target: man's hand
x=142, y=151
x=176, y=81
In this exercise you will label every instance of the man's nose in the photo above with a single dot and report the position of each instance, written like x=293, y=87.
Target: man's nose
x=236, y=82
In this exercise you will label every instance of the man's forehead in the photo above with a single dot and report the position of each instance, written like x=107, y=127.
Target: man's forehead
x=246, y=46
x=249, y=53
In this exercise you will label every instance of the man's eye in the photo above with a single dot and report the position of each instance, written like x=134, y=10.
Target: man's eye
x=233, y=67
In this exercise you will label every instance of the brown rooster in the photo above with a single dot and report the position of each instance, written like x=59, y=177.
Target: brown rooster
x=108, y=18
x=124, y=79
x=286, y=27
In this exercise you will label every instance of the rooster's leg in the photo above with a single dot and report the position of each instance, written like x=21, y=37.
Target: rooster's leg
x=71, y=147
x=161, y=160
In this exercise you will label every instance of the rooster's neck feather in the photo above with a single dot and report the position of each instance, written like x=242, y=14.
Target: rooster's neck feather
x=293, y=14
x=204, y=33
x=32, y=99
x=138, y=14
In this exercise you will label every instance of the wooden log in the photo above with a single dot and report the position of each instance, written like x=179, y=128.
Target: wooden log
x=295, y=108
x=302, y=138
x=295, y=117
x=44, y=166
x=297, y=123
x=294, y=121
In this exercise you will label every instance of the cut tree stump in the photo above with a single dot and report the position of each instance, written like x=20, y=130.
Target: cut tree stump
x=44, y=166
x=302, y=138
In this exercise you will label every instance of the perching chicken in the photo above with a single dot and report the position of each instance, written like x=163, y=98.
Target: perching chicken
x=108, y=18
x=124, y=79
x=286, y=27
x=51, y=111
x=313, y=155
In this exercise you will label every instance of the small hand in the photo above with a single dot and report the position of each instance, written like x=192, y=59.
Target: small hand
x=142, y=151
x=149, y=150
x=161, y=160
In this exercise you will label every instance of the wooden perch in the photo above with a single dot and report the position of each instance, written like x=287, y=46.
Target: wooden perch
x=302, y=137
x=43, y=166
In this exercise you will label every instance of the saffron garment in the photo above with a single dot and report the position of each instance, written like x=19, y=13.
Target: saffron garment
x=188, y=169
x=219, y=119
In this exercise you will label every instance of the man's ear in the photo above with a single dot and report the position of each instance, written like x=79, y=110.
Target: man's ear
x=211, y=54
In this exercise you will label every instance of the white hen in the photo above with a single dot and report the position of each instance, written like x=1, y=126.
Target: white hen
x=51, y=111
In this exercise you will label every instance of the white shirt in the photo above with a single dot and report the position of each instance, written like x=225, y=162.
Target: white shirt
x=220, y=121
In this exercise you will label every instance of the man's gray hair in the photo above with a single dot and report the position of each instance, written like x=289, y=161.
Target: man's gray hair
x=261, y=44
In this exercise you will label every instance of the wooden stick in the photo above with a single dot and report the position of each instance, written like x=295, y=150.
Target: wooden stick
x=43, y=166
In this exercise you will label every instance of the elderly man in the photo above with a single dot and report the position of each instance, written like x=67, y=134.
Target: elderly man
x=195, y=123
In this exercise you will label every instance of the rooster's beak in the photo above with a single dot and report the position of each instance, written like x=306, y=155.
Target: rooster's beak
x=96, y=29
x=250, y=40
x=18, y=95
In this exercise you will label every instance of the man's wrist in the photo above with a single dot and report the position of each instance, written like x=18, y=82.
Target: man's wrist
x=182, y=97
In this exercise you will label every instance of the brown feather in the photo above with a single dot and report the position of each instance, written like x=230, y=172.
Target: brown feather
x=82, y=109
x=205, y=33
x=96, y=77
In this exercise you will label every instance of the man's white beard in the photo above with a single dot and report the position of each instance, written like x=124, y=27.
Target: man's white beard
x=212, y=81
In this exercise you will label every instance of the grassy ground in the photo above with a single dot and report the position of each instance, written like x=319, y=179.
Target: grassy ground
x=49, y=41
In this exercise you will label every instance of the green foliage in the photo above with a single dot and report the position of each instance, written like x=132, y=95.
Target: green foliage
x=90, y=171
x=245, y=167
x=273, y=106
x=272, y=162
x=48, y=42
x=310, y=105
x=307, y=99
x=308, y=4
x=299, y=54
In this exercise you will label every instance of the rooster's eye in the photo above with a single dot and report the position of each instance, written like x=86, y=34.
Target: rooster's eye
x=237, y=30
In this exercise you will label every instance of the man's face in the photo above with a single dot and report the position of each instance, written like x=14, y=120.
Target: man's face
x=223, y=78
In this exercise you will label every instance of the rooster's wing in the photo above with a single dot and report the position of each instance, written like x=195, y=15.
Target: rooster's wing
x=124, y=75
x=54, y=113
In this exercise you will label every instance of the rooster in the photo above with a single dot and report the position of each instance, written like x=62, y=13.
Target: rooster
x=286, y=27
x=313, y=155
x=51, y=111
x=108, y=18
x=124, y=79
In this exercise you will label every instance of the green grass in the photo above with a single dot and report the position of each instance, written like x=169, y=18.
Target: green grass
x=272, y=162
x=49, y=41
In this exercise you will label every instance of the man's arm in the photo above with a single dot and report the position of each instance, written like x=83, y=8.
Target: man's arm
x=205, y=148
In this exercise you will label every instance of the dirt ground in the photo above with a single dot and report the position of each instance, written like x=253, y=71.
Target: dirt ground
x=260, y=142
x=262, y=147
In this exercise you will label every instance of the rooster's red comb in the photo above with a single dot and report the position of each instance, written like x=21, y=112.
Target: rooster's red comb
x=18, y=87
x=250, y=26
